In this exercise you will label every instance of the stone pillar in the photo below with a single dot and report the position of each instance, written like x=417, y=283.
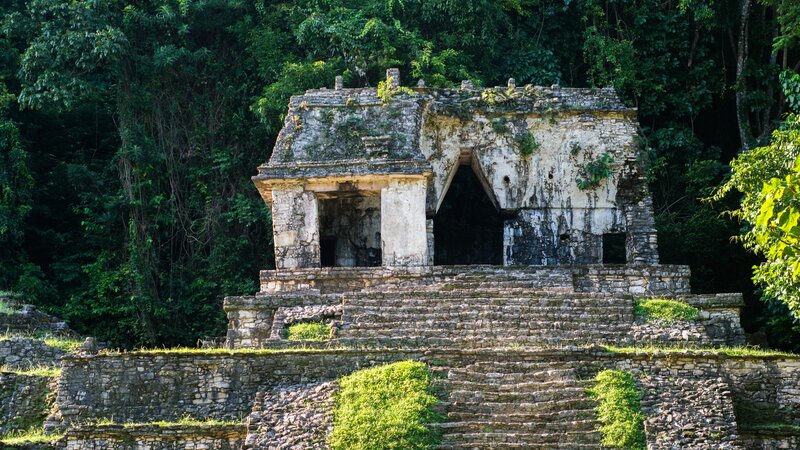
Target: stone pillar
x=404, y=240
x=431, y=242
x=641, y=246
x=295, y=228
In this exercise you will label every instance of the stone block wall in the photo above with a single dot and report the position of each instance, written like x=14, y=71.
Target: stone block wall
x=292, y=417
x=19, y=353
x=23, y=401
x=140, y=387
x=668, y=280
x=154, y=437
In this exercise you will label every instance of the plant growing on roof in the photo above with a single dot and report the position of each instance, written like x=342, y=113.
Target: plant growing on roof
x=387, y=90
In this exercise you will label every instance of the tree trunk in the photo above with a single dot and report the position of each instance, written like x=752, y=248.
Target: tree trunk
x=741, y=89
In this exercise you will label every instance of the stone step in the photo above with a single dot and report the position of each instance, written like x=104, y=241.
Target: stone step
x=468, y=310
x=500, y=385
x=468, y=440
x=508, y=326
x=564, y=320
x=499, y=424
x=520, y=408
x=554, y=416
x=449, y=445
x=487, y=293
x=546, y=395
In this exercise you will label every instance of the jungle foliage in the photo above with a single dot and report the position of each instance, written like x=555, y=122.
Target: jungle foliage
x=129, y=129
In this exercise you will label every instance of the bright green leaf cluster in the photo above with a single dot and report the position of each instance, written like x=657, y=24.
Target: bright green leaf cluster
x=769, y=178
x=387, y=90
x=385, y=407
x=619, y=410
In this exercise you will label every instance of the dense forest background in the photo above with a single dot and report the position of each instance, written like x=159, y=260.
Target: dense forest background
x=130, y=128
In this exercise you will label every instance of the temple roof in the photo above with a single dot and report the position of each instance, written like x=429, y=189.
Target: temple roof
x=341, y=132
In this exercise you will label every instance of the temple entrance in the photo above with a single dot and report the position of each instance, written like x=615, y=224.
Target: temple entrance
x=350, y=230
x=468, y=229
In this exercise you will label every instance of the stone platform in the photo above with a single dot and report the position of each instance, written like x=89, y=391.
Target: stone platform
x=478, y=306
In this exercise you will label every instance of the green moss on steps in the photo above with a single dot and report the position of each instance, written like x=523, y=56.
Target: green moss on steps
x=619, y=410
x=385, y=407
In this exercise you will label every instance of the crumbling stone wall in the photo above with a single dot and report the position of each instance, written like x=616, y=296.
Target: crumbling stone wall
x=533, y=149
x=689, y=412
x=27, y=319
x=23, y=401
x=154, y=437
x=140, y=387
x=18, y=353
x=292, y=417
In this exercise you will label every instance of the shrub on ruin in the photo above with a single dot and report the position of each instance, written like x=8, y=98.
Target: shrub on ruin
x=664, y=309
x=386, y=407
x=309, y=331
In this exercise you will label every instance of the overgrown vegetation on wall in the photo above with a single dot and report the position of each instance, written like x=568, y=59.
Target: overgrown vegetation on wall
x=664, y=309
x=385, y=407
x=310, y=331
x=129, y=130
x=619, y=410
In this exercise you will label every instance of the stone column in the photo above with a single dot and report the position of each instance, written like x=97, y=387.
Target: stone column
x=404, y=240
x=641, y=246
x=295, y=227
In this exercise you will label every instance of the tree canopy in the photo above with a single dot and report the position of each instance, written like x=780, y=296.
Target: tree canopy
x=129, y=128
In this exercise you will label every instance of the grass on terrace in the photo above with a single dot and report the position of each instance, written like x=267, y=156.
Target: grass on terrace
x=664, y=309
x=224, y=351
x=31, y=436
x=185, y=421
x=39, y=371
x=309, y=331
x=68, y=345
x=729, y=351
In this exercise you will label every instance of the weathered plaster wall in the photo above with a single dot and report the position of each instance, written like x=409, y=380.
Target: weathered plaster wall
x=295, y=228
x=355, y=223
x=403, y=224
x=554, y=222
x=545, y=179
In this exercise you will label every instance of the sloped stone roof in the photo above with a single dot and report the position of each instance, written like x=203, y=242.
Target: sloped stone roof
x=334, y=132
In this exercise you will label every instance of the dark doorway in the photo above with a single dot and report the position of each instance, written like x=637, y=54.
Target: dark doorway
x=467, y=229
x=327, y=252
x=614, y=251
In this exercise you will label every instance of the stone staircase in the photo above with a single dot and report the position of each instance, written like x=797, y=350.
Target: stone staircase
x=485, y=316
x=516, y=404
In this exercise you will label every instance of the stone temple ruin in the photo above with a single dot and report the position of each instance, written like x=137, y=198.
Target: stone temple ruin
x=358, y=187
